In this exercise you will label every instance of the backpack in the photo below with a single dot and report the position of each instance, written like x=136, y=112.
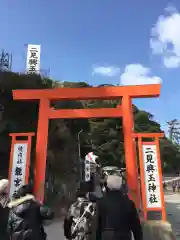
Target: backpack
x=82, y=212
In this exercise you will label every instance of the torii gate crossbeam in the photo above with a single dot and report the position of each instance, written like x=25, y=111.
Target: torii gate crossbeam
x=124, y=110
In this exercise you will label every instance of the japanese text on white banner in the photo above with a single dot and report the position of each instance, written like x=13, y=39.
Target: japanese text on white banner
x=33, y=59
x=152, y=182
x=18, y=174
x=87, y=169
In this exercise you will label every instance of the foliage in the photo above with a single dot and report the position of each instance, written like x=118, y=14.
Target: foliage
x=103, y=136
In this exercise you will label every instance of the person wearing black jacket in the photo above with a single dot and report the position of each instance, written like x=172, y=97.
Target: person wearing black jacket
x=26, y=216
x=117, y=217
x=82, y=211
x=4, y=211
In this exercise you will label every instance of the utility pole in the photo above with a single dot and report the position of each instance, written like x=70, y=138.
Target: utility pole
x=79, y=153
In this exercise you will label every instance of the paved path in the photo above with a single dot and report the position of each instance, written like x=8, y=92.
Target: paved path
x=55, y=230
x=173, y=212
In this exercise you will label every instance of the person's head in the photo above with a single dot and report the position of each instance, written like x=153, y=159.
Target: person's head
x=83, y=189
x=24, y=190
x=4, y=186
x=114, y=183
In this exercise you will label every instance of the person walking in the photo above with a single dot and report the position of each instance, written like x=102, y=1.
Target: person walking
x=4, y=188
x=77, y=223
x=164, y=186
x=4, y=212
x=26, y=216
x=178, y=186
x=174, y=186
x=117, y=217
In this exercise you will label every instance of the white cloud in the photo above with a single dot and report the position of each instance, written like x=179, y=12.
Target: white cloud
x=165, y=37
x=108, y=71
x=172, y=61
x=136, y=74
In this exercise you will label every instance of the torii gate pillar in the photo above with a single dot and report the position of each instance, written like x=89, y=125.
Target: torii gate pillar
x=124, y=110
x=130, y=150
x=41, y=148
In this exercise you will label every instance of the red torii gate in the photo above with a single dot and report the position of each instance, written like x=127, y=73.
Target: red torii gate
x=124, y=110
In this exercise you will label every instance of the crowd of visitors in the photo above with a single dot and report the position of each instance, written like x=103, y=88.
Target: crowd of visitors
x=116, y=216
x=113, y=216
x=22, y=217
x=174, y=186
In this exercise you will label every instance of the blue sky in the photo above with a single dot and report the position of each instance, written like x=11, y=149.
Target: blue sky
x=101, y=41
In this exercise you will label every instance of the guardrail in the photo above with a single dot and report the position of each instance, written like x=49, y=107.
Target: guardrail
x=172, y=180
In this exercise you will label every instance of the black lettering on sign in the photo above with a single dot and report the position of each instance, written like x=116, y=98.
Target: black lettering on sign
x=17, y=182
x=153, y=199
x=151, y=187
x=150, y=168
x=18, y=171
x=151, y=178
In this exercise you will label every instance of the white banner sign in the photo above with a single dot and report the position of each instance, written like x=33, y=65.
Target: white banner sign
x=87, y=169
x=90, y=165
x=92, y=157
x=18, y=175
x=152, y=182
x=33, y=59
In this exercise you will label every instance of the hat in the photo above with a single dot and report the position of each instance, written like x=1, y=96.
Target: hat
x=24, y=190
x=114, y=182
x=4, y=185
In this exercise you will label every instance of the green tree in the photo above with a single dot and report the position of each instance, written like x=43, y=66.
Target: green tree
x=103, y=136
